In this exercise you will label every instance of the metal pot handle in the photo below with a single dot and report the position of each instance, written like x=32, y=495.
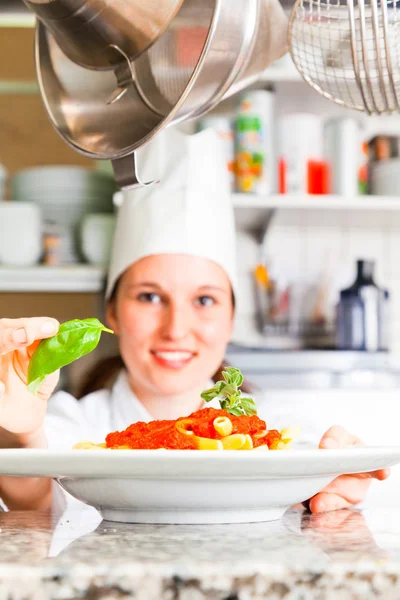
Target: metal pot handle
x=126, y=172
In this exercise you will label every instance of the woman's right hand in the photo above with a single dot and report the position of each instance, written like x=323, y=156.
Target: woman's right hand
x=21, y=413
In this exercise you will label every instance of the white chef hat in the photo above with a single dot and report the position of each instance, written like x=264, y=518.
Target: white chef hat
x=188, y=212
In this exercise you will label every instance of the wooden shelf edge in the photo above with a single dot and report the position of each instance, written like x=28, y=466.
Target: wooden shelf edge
x=40, y=278
x=17, y=19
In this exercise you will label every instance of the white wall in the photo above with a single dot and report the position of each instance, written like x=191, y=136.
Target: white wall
x=303, y=245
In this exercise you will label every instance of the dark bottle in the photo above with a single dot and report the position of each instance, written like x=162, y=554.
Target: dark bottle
x=362, y=313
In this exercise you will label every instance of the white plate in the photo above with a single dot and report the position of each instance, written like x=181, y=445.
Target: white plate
x=178, y=486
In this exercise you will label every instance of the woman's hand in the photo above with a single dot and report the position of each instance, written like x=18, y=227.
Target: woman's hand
x=345, y=490
x=22, y=413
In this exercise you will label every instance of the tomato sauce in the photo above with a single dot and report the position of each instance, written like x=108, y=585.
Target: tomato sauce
x=164, y=434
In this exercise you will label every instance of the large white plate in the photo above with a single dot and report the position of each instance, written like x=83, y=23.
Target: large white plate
x=164, y=486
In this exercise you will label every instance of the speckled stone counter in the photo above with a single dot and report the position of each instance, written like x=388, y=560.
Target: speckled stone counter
x=341, y=555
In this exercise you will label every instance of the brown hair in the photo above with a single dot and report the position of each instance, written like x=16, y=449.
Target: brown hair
x=104, y=373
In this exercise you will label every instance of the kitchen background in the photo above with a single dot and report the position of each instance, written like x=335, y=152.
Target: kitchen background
x=328, y=195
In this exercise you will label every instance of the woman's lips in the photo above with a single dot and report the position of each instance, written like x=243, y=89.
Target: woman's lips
x=173, y=359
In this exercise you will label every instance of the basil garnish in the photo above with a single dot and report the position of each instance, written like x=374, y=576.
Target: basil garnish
x=229, y=395
x=73, y=340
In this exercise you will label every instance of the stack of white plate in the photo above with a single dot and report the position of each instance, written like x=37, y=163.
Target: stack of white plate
x=65, y=194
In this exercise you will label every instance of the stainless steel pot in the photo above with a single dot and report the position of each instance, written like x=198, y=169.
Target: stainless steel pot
x=109, y=114
x=269, y=44
x=88, y=30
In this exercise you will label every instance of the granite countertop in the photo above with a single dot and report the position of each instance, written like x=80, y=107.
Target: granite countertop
x=340, y=555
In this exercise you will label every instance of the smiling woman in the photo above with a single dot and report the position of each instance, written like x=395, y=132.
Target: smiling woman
x=173, y=315
x=170, y=301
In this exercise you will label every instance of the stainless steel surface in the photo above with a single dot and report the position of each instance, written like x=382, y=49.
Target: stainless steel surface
x=88, y=30
x=78, y=99
x=126, y=173
x=210, y=50
x=299, y=370
x=349, y=51
x=270, y=44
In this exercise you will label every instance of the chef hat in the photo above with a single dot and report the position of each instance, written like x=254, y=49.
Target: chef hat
x=188, y=212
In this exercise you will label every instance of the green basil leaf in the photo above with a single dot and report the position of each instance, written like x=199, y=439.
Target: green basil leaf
x=233, y=376
x=213, y=392
x=229, y=395
x=228, y=390
x=239, y=379
x=249, y=406
x=225, y=405
x=228, y=375
x=238, y=412
x=73, y=340
x=209, y=395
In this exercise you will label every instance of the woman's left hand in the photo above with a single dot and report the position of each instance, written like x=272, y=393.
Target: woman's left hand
x=346, y=490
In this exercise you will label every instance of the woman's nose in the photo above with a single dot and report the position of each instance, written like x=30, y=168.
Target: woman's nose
x=176, y=324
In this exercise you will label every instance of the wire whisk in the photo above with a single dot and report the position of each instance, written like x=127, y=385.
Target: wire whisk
x=349, y=51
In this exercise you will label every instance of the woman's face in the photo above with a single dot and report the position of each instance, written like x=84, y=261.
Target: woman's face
x=173, y=315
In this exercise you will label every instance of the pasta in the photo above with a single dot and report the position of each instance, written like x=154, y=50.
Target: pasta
x=206, y=429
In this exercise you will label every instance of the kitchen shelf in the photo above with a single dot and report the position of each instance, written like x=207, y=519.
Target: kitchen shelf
x=17, y=19
x=41, y=278
x=253, y=212
x=18, y=87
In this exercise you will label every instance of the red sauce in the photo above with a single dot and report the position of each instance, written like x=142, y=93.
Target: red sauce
x=164, y=434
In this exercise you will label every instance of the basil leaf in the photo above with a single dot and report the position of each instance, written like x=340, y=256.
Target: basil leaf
x=213, y=392
x=73, y=340
x=228, y=390
x=229, y=394
x=238, y=412
x=233, y=376
x=249, y=406
x=209, y=395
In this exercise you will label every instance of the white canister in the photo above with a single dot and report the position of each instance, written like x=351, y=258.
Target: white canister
x=255, y=143
x=300, y=144
x=224, y=127
x=385, y=177
x=343, y=146
x=20, y=233
x=97, y=232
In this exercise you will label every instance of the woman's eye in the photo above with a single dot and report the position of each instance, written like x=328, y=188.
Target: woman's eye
x=205, y=301
x=150, y=297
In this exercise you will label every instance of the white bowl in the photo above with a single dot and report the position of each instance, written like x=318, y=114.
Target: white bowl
x=74, y=182
x=20, y=233
x=97, y=233
x=59, y=176
x=191, y=486
x=81, y=204
x=68, y=215
x=385, y=177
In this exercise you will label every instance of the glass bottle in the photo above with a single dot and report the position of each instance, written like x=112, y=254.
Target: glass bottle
x=362, y=315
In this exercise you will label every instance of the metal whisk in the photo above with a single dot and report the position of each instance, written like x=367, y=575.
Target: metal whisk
x=349, y=51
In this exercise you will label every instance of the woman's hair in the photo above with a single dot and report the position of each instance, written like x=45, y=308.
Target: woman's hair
x=104, y=373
